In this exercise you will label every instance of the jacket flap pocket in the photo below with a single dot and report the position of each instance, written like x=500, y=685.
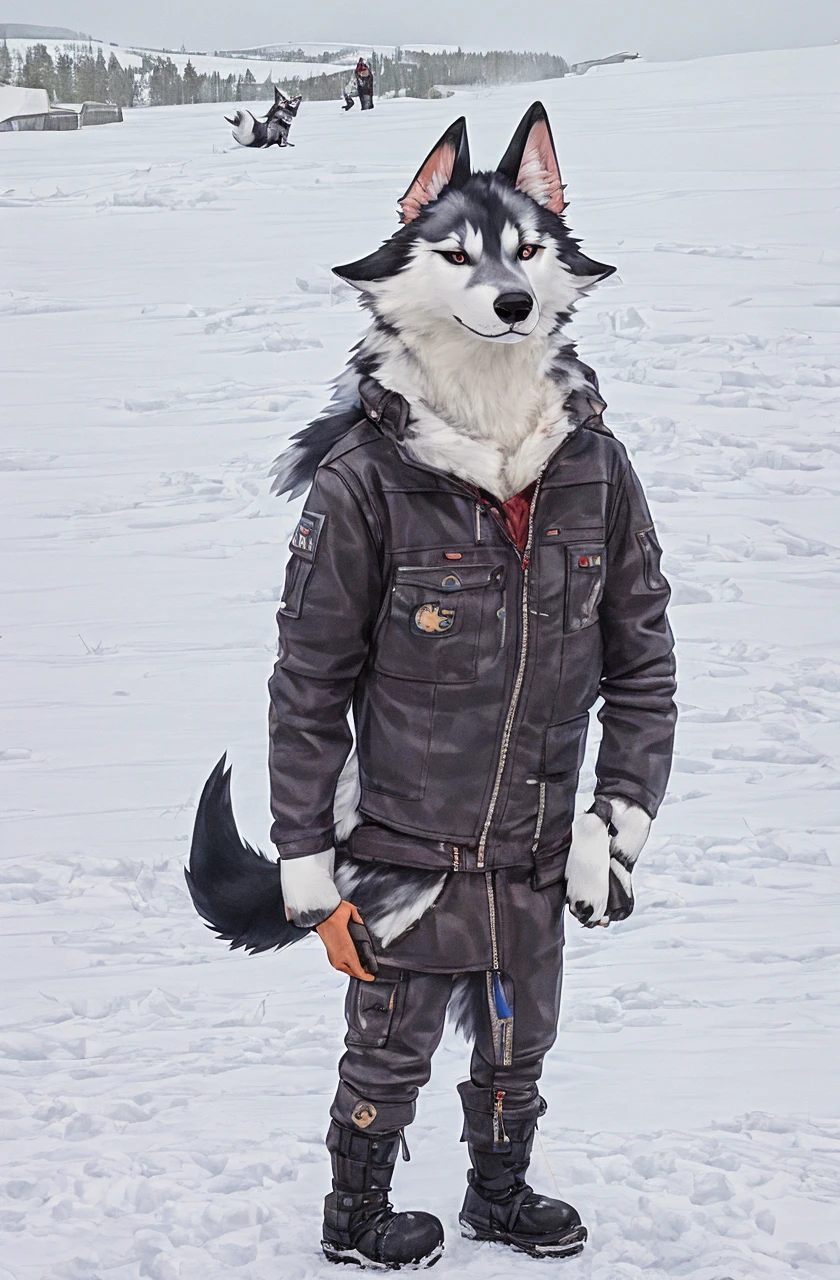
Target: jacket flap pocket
x=564, y=533
x=298, y=571
x=463, y=577
x=565, y=745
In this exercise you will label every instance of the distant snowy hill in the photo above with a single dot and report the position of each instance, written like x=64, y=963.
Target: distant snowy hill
x=261, y=60
x=260, y=64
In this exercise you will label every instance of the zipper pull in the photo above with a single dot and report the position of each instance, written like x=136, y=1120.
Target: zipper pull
x=500, y=1138
x=478, y=522
x=406, y=1154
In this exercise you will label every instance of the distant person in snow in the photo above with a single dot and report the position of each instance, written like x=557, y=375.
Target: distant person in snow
x=273, y=129
x=360, y=85
x=364, y=84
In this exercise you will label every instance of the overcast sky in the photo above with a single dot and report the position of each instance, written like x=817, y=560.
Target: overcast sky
x=589, y=28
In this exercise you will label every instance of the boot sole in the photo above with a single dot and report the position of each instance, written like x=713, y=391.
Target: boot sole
x=353, y=1258
x=568, y=1246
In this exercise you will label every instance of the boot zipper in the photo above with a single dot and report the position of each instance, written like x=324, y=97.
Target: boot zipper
x=406, y=1154
x=520, y=676
x=500, y=1138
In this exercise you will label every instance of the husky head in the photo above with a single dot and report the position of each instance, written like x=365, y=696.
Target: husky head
x=481, y=254
x=283, y=103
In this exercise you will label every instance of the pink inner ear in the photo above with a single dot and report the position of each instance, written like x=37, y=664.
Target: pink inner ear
x=429, y=182
x=538, y=175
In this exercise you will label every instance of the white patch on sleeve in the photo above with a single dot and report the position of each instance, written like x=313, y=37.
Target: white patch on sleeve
x=308, y=885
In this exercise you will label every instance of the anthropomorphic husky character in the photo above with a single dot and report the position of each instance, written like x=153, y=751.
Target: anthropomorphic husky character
x=273, y=129
x=474, y=566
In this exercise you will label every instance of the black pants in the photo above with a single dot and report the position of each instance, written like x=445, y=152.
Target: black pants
x=396, y=1023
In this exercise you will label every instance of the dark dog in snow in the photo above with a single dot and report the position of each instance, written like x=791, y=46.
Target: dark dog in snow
x=474, y=566
x=273, y=129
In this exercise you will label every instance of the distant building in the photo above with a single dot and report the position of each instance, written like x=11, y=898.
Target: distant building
x=25, y=31
x=30, y=111
x=581, y=68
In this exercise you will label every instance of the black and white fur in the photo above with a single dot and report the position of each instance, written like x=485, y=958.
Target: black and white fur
x=273, y=129
x=468, y=300
x=488, y=395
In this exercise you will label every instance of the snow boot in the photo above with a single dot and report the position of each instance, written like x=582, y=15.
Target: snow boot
x=360, y=1226
x=499, y=1204
x=348, y=103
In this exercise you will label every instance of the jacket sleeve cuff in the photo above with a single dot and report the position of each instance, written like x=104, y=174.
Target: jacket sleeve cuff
x=625, y=789
x=303, y=847
x=309, y=891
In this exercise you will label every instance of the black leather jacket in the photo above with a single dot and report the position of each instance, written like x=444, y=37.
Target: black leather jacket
x=470, y=667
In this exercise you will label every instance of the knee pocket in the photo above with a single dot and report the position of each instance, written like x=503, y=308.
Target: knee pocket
x=370, y=1008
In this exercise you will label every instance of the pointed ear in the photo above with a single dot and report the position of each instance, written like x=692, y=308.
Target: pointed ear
x=530, y=162
x=447, y=164
x=586, y=269
x=384, y=263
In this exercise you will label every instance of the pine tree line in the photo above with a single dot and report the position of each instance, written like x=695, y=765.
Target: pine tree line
x=79, y=75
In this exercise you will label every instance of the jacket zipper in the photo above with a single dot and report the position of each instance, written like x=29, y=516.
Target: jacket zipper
x=520, y=676
x=491, y=902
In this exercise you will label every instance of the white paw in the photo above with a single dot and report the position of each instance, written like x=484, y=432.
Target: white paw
x=588, y=869
x=632, y=827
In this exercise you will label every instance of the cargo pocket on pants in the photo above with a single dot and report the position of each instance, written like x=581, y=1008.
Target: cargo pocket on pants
x=369, y=1009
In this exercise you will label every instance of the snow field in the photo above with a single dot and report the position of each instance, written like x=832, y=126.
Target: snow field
x=167, y=320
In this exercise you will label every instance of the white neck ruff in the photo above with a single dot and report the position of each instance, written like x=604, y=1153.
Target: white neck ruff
x=490, y=414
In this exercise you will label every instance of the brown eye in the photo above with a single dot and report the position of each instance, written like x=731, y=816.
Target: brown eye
x=457, y=257
x=527, y=251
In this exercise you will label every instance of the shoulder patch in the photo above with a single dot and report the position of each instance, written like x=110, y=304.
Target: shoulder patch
x=305, y=537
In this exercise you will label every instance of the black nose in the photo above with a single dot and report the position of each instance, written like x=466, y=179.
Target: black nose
x=513, y=307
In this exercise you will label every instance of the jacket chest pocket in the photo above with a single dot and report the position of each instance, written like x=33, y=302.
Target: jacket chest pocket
x=433, y=625
x=586, y=564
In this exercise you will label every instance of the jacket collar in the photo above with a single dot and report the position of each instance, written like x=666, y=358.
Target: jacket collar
x=387, y=409
x=391, y=413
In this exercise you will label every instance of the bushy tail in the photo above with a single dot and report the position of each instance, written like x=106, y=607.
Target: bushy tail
x=235, y=888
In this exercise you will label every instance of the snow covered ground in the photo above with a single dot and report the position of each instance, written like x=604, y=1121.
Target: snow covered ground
x=166, y=321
